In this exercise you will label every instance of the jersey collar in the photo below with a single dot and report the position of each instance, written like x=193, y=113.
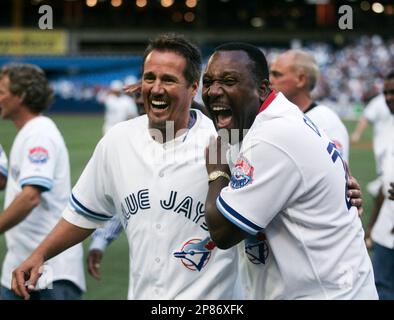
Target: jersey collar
x=268, y=101
x=311, y=106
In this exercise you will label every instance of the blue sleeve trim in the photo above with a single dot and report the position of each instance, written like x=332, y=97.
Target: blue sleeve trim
x=4, y=171
x=44, y=183
x=236, y=218
x=81, y=209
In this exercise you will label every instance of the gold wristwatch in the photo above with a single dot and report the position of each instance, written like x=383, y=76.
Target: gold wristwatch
x=216, y=174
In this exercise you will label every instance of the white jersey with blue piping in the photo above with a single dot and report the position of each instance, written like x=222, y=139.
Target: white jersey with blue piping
x=288, y=191
x=331, y=124
x=159, y=190
x=3, y=162
x=39, y=157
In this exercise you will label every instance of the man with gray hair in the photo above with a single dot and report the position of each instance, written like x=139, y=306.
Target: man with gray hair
x=38, y=186
x=294, y=73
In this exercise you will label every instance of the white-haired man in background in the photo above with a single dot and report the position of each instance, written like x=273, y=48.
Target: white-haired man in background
x=294, y=73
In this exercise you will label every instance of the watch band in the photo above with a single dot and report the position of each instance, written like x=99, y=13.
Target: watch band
x=216, y=174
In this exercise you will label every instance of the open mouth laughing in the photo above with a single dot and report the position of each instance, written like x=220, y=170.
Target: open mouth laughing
x=159, y=104
x=223, y=116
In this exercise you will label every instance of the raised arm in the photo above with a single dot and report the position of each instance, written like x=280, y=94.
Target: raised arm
x=362, y=124
x=223, y=232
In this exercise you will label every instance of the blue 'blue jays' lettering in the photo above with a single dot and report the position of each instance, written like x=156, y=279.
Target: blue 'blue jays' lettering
x=168, y=205
x=132, y=204
x=185, y=206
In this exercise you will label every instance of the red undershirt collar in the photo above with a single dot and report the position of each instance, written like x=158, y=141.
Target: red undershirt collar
x=268, y=101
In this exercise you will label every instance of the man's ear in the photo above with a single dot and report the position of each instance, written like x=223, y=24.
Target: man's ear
x=302, y=80
x=264, y=90
x=194, y=88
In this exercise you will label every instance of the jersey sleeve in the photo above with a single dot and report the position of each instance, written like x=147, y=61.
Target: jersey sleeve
x=91, y=196
x=102, y=237
x=3, y=162
x=370, y=113
x=38, y=162
x=263, y=183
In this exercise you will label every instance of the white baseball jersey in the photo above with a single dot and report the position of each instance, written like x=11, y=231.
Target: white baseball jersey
x=382, y=231
x=331, y=124
x=118, y=109
x=3, y=162
x=378, y=114
x=160, y=191
x=288, y=191
x=39, y=157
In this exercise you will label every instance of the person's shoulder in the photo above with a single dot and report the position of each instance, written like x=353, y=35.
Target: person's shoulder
x=376, y=102
x=279, y=113
x=134, y=125
x=42, y=126
x=323, y=112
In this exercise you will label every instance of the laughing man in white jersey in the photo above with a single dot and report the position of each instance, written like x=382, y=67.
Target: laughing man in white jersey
x=287, y=195
x=157, y=182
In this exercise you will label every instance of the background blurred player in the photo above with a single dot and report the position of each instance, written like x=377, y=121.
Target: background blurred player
x=378, y=115
x=294, y=73
x=38, y=185
x=118, y=106
x=381, y=225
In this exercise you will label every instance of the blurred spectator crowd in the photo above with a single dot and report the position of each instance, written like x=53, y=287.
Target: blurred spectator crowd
x=349, y=75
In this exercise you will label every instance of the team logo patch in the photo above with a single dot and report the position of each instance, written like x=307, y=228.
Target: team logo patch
x=256, y=249
x=242, y=173
x=195, y=253
x=38, y=155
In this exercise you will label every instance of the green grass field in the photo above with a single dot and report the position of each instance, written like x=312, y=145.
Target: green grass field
x=81, y=134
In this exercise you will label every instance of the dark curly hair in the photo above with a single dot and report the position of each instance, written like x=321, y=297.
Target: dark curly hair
x=30, y=83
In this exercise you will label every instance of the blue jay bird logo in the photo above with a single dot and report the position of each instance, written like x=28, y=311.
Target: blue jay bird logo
x=256, y=249
x=195, y=253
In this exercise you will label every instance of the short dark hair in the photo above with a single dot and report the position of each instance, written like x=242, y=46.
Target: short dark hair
x=390, y=75
x=260, y=65
x=178, y=44
x=30, y=83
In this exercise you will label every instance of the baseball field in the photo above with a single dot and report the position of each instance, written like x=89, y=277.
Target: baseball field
x=81, y=134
